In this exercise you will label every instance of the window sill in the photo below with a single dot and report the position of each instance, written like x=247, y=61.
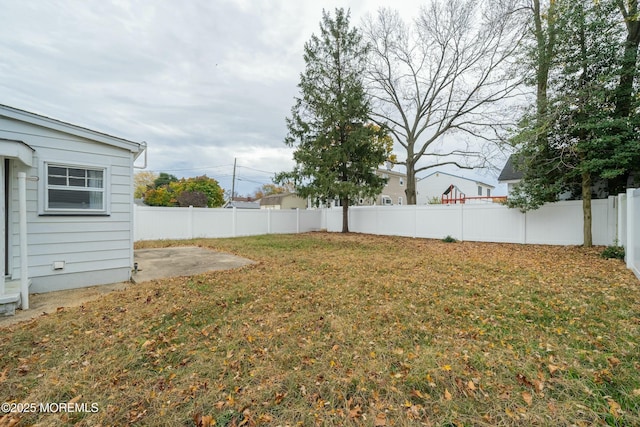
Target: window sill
x=74, y=214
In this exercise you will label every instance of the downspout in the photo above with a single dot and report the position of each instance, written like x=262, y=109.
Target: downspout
x=22, y=208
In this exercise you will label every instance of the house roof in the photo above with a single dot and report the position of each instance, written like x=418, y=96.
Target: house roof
x=459, y=177
x=508, y=172
x=273, y=199
x=391, y=172
x=48, y=122
x=243, y=205
x=276, y=199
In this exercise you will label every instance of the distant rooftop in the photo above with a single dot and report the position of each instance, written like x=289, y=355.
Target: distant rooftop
x=508, y=171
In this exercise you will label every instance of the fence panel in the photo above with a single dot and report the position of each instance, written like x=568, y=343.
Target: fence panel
x=439, y=221
x=493, y=223
x=155, y=223
x=310, y=220
x=334, y=220
x=555, y=224
x=284, y=221
x=632, y=248
x=250, y=222
x=210, y=223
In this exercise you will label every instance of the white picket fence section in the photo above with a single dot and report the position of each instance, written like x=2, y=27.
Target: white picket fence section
x=616, y=220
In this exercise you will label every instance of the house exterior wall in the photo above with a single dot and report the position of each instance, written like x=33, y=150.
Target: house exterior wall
x=283, y=201
x=95, y=249
x=292, y=201
x=437, y=183
x=393, y=192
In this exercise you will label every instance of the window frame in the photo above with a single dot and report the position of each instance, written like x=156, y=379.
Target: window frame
x=45, y=209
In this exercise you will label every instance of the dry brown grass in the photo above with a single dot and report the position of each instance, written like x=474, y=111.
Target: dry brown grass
x=330, y=329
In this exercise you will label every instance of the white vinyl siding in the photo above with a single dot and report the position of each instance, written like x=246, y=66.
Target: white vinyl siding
x=95, y=244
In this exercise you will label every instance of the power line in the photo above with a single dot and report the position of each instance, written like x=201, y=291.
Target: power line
x=189, y=169
x=257, y=170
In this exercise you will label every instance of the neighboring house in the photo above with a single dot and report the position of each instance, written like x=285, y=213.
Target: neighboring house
x=283, y=201
x=243, y=203
x=433, y=186
x=509, y=175
x=393, y=192
x=66, y=213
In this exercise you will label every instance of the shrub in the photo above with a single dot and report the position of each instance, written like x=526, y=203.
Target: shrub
x=449, y=239
x=613, y=251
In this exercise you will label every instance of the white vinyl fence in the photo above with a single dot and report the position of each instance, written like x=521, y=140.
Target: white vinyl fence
x=629, y=228
x=156, y=223
x=616, y=220
x=553, y=224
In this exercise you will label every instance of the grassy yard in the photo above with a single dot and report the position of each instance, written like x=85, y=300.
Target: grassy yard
x=330, y=329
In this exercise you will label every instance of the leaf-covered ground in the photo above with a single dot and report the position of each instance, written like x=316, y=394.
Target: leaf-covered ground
x=331, y=329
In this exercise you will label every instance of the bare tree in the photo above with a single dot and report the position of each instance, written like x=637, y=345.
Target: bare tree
x=451, y=70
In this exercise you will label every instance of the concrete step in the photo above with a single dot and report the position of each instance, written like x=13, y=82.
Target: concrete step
x=10, y=300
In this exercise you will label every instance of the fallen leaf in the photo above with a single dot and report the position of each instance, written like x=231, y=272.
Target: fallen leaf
x=523, y=380
x=265, y=419
x=614, y=408
x=538, y=385
x=447, y=395
x=355, y=412
x=526, y=396
x=471, y=386
x=381, y=420
x=279, y=397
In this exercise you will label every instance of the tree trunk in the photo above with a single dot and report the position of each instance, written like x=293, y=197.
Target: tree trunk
x=345, y=214
x=410, y=190
x=624, y=91
x=586, y=209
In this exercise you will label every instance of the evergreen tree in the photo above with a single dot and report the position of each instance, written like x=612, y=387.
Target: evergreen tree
x=336, y=149
x=580, y=136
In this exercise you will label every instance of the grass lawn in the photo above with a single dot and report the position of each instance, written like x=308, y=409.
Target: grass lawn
x=331, y=329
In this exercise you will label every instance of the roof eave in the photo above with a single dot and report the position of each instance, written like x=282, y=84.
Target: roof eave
x=47, y=122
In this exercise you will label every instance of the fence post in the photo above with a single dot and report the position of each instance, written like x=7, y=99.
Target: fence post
x=631, y=244
x=190, y=221
x=233, y=222
x=297, y=220
x=268, y=221
x=621, y=225
x=461, y=221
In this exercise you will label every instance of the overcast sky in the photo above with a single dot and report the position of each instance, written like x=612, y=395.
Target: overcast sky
x=201, y=81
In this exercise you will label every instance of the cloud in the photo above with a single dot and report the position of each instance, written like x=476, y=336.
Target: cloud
x=201, y=81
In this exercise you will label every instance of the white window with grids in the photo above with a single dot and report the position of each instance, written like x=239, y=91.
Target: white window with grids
x=75, y=189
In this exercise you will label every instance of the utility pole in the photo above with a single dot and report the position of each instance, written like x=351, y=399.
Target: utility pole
x=233, y=182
